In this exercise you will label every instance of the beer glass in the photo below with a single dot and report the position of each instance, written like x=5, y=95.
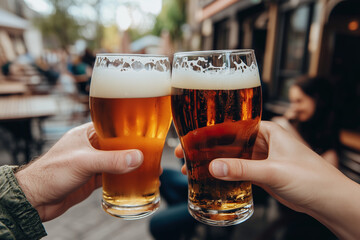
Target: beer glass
x=216, y=106
x=130, y=108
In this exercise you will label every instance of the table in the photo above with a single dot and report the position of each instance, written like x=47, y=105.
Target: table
x=17, y=115
x=24, y=107
x=10, y=88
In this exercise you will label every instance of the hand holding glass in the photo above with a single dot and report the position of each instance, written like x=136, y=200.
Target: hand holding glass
x=130, y=109
x=216, y=107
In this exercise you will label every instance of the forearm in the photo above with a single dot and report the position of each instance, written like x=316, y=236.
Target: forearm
x=339, y=209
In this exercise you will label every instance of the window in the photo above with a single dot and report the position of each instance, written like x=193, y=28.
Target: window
x=221, y=35
x=292, y=49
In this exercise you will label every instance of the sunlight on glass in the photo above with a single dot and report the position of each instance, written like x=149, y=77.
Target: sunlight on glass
x=123, y=18
x=84, y=12
x=41, y=6
x=146, y=6
x=153, y=7
x=137, y=17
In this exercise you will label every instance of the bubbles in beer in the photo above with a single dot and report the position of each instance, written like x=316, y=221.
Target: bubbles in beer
x=216, y=106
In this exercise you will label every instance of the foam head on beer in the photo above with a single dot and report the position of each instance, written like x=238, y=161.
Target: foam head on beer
x=200, y=74
x=129, y=78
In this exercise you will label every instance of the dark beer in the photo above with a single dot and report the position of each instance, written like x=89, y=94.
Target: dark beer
x=216, y=107
x=221, y=124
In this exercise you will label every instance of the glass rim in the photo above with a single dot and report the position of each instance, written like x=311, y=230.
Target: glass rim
x=209, y=52
x=129, y=55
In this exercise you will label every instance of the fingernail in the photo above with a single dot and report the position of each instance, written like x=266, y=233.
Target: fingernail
x=219, y=169
x=133, y=158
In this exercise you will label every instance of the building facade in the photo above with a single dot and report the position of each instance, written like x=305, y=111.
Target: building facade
x=290, y=38
x=17, y=35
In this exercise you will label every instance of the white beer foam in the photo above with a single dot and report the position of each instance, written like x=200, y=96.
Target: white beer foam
x=114, y=83
x=216, y=79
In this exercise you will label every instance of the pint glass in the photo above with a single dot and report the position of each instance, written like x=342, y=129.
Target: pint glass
x=216, y=106
x=130, y=108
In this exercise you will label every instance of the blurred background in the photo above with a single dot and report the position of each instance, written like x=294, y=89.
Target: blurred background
x=48, y=48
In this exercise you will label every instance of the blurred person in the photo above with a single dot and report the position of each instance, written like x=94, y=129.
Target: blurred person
x=298, y=178
x=18, y=69
x=52, y=75
x=82, y=74
x=64, y=176
x=88, y=57
x=311, y=116
x=5, y=68
x=311, y=119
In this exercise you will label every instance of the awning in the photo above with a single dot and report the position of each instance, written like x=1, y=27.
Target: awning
x=219, y=5
x=146, y=41
x=10, y=20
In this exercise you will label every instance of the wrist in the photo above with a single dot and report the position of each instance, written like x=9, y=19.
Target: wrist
x=337, y=209
x=25, y=185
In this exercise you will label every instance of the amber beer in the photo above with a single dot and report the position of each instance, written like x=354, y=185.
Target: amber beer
x=128, y=116
x=216, y=121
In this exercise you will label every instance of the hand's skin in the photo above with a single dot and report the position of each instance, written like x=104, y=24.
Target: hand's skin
x=330, y=155
x=298, y=178
x=70, y=171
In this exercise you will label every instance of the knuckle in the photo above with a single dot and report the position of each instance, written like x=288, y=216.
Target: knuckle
x=118, y=161
x=238, y=169
x=272, y=126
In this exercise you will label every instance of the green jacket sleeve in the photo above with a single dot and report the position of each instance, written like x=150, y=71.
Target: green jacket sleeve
x=18, y=219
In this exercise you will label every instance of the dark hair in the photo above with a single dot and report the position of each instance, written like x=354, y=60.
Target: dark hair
x=321, y=130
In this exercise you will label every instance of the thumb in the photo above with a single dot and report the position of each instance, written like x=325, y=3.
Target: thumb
x=116, y=162
x=232, y=169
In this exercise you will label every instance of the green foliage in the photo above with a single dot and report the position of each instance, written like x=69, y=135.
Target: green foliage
x=136, y=34
x=60, y=25
x=171, y=18
x=96, y=43
x=61, y=29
